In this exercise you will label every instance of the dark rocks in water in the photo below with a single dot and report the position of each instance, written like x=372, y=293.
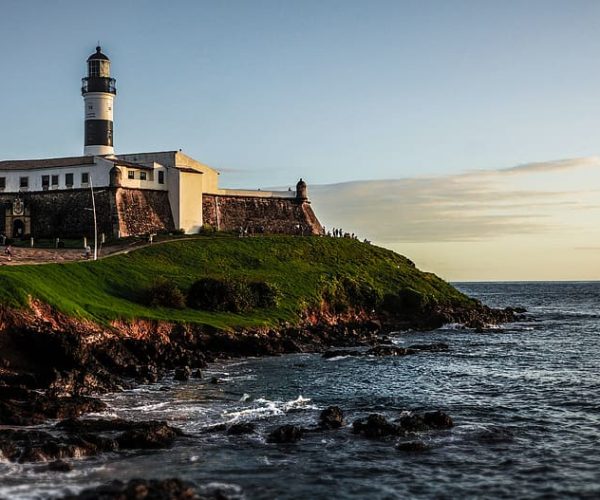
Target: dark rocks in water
x=152, y=435
x=435, y=347
x=20, y=406
x=331, y=418
x=216, y=380
x=377, y=426
x=412, y=423
x=77, y=438
x=138, y=489
x=412, y=446
x=59, y=466
x=241, y=428
x=374, y=426
x=438, y=420
x=38, y=446
x=389, y=350
x=197, y=373
x=182, y=374
x=286, y=434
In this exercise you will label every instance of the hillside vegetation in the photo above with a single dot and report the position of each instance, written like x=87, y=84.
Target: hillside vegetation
x=308, y=273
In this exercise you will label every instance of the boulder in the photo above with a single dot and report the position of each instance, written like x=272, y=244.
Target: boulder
x=182, y=374
x=138, y=489
x=286, y=434
x=438, y=420
x=374, y=426
x=331, y=418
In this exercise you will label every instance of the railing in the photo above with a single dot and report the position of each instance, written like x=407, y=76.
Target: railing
x=98, y=84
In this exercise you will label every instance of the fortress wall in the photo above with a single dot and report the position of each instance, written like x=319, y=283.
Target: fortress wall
x=63, y=213
x=67, y=213
x=259, y=214
x=142, y=211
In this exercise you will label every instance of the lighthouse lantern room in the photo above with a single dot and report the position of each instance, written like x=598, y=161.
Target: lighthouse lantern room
x=98, y=90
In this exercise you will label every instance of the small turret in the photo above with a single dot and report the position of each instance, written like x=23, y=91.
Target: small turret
x=301, y=191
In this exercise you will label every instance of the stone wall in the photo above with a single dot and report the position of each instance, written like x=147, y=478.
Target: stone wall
x=65, y=213
x=143, y=211
x=68, y=214
x=258, y=214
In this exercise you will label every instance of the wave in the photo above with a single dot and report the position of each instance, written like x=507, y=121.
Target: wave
x=267, y=409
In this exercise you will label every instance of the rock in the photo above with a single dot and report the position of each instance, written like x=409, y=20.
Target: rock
x=412, y=446
x=374, y=426
x=197, y=373
x=182, y=374
x=60, y=466
x=389, y=350
x=138, y=489
x=331, y=418
x=286, y=434
x=216, y=380
x=412, y=423
x=241, y=428
x=79, y=438
x=23, y=407
x=438, y=420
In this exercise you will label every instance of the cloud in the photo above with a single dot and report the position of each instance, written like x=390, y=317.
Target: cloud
x=553, y=166
x=469, y=206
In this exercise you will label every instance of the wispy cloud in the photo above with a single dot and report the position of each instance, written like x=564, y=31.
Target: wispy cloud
x=470, y=206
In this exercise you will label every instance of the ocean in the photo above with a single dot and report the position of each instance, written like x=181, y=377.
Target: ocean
x=524, y=397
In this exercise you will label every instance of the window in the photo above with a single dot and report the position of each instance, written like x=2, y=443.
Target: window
x=45, y=182
x=142, y=176
x=2, y=183
x=161, y=177
x=85, y=177
x=55, y=181
x=23, y=182
x=69, y=180
x=131, y=174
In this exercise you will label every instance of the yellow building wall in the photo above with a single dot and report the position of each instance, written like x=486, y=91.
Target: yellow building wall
x=190, y=201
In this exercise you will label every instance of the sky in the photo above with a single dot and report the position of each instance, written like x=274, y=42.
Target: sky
x=463, y=134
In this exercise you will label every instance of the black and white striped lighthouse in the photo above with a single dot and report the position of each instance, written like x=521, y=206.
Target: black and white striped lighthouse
x=98, y=90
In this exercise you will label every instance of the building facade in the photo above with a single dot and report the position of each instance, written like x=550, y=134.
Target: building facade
x=134, y=194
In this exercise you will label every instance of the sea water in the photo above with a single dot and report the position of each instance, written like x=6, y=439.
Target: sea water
x=525, y=399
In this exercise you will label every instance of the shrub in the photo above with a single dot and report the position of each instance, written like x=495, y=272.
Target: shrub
x=165, y=293
x=206, y=229
x=219, y=295
x=407, y=301
x=214, y=294
x=264, y=294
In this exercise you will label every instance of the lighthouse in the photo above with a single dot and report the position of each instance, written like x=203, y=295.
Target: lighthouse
x=98, y=90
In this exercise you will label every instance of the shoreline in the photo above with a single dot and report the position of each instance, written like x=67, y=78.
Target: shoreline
x=54, y=367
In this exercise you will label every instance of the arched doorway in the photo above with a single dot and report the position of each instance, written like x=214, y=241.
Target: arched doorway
x=18, y=228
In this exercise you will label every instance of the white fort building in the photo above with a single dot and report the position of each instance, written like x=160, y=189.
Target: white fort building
x=137, y=193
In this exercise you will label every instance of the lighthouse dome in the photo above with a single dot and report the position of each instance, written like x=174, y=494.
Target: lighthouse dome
x=98, y=55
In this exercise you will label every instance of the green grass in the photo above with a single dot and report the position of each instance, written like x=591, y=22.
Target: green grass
x=304, y=269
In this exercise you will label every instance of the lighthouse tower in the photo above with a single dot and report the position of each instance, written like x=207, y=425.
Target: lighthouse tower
x=98, y=90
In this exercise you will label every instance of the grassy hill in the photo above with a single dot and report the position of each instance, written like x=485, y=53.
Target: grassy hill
x=306, y=271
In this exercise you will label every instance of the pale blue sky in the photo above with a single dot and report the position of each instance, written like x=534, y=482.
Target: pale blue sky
x=331, y=90
x=339, y=91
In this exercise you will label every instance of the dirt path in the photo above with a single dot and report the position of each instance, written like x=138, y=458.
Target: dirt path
x=29, y=256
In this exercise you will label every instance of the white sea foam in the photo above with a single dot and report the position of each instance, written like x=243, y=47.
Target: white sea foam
x=337, y=358
x=266, y=409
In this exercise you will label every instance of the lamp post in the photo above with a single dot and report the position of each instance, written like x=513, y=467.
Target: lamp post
x=93, y=209
x=95, y=221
